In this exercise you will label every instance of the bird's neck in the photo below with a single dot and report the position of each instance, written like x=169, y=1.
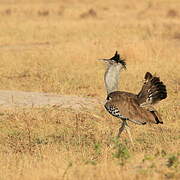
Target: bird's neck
x=111, y=78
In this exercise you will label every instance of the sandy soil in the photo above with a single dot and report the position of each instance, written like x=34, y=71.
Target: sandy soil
x=37, y=99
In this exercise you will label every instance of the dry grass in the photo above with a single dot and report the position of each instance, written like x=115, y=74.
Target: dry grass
x=53, y=47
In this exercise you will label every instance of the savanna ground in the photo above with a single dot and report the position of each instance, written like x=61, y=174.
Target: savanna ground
x=53, y=47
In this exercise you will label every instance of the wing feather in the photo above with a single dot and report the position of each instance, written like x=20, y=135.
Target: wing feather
x=127, y=105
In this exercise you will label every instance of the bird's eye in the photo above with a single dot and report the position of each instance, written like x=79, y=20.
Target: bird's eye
x=109, y=98
x=113, y=61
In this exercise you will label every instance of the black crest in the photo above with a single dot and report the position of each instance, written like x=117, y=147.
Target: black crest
x=118, y=59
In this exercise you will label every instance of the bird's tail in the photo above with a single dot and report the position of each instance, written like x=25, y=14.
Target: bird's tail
x=152, y=91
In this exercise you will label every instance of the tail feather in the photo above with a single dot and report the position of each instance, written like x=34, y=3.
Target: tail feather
x=157, y=117
x=152, y=91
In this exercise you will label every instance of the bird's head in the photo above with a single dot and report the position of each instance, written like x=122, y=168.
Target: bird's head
x=115, y=60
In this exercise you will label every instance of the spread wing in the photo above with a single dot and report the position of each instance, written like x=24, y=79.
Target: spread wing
x=152, y=91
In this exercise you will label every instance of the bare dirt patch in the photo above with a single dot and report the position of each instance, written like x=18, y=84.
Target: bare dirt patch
x=37, y=99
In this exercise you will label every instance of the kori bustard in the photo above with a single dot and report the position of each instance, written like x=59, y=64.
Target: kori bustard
x=136, y=108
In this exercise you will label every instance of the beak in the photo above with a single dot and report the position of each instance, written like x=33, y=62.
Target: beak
x=105, y=60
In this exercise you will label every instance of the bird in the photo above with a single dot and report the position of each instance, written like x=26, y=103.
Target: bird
x=132, y=107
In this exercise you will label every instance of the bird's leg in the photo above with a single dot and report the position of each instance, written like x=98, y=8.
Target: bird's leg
x=121, y=128
x=129, y=133
x=126, y=127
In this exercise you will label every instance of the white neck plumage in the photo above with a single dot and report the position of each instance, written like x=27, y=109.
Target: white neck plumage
x=111, y=77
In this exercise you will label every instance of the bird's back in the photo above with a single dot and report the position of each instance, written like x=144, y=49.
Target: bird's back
x=125, y=105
